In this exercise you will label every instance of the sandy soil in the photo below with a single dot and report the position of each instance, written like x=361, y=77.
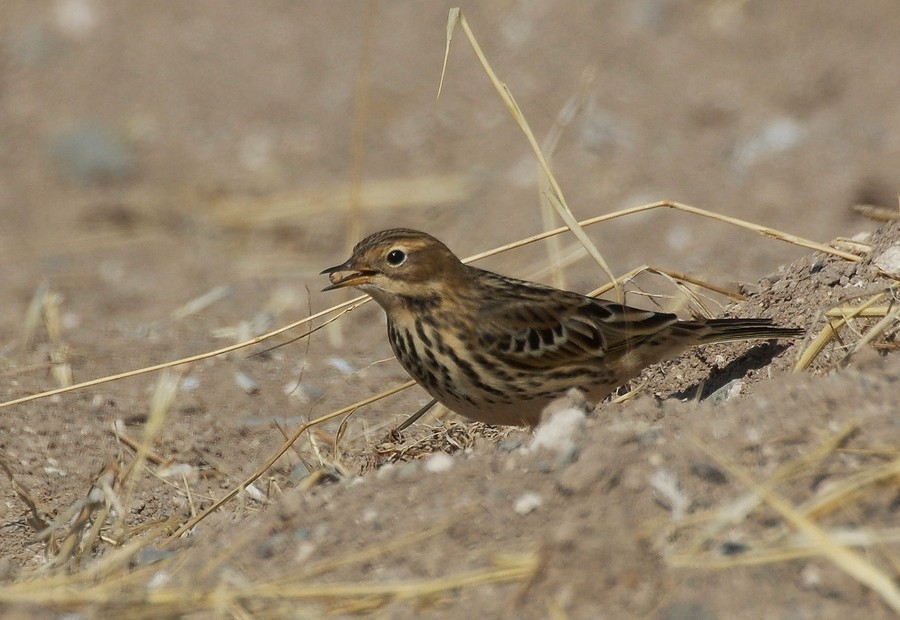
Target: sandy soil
x=153, y=154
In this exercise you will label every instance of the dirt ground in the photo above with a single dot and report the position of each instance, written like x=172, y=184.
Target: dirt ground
x=174, y=176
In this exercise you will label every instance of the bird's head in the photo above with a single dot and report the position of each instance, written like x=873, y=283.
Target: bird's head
x=394, y=264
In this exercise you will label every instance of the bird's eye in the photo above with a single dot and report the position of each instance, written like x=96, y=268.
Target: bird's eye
x=396, y=257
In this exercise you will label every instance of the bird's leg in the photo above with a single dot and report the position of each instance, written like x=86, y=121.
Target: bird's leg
x=411, y=419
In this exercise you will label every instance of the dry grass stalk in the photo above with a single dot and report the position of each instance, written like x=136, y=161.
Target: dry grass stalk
x=888, y=321
x=37, y=516
x=717, y=520
x=284, y=448
x=162, y=401
x=44, y=308
x=106, y=582
x=119, y=431
x=570, y=109
x=555, y=194
x=844, y=558
x=344, y=308
x=269, y=211
x=198, y=304
x=877, y=213
x=33, y=315
x=829, y=332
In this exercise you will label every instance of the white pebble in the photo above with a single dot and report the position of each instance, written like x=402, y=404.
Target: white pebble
x=527, y=502
x=159, y=579
x=189, y=384
x=439, y=462
x=255, y=493
x=557, y=432
x=369, y=515
x=179, y=471
x=246, y=382
x=889, y=261
x=666, y=484
x=341, y=365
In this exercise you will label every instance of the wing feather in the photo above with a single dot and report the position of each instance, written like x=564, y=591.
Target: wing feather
x=540, y=327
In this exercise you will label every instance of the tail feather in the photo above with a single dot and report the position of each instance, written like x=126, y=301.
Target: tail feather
x=731, y=330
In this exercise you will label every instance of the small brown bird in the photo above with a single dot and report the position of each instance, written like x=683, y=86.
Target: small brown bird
x=497, y=349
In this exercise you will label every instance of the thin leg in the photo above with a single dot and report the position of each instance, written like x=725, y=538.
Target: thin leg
x=418, y=414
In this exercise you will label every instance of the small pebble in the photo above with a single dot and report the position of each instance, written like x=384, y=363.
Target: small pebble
x=439, y=462
x=528, y=502
x=179, y=471
x=665, y=482
x=556, y=432
x=159, y=579
x=341, y=365
x=189, y=384
x=246, y=382
x=94, y=152
x=726, y=392
x=776, y=136
x=707, y=472
x=686, y=610
x=509, y=444
x=889, y=261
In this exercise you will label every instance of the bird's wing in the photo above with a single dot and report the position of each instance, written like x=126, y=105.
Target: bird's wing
x=546, y=327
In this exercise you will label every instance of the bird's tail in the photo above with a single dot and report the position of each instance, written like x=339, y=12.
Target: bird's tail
x=731, y=330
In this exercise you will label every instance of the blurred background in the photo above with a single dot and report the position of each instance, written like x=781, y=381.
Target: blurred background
x=157, y=152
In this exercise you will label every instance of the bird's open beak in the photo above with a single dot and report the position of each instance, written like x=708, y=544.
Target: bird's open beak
x=346, y=274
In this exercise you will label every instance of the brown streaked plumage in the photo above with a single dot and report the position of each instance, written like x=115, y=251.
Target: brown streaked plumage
x=497, y=349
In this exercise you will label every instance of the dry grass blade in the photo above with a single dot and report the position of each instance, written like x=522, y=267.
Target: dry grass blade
x=188, y=597
x=512, y=568
x=555, y=194
x=668, y=204
x=795, y=551
x=45, y=306
x=564, y=118
x=779, y=546
x=737, y=510
x=119, y=431
x=762, y=230
x=381, y=549
x=886, y=322
x=162, y=401
x=33, y=315
x=38, y=518
x=284, y=448
x=345, y=307
x=267, y=212
x=851, y=487
x=79, y=526
x=828, y=333
x=360, y=118
x=843, y=311
x=105, y=583
x=844, y=558
x=877, y=213
x=676, y=279
x=685, y=277
x=198, y=304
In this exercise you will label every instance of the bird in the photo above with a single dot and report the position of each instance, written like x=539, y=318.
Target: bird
x=497, y=349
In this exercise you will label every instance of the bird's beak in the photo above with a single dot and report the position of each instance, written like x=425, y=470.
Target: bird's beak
x=346, y=274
